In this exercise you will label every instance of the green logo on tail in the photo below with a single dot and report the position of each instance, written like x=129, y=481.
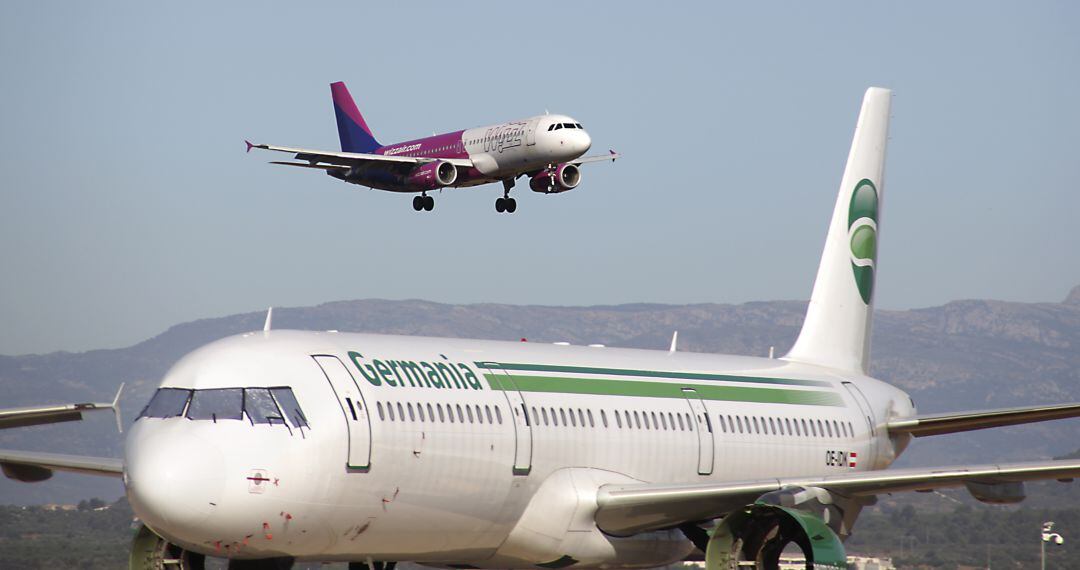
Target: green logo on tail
x=862, y=231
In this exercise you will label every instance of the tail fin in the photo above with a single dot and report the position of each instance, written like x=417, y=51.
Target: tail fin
x=352, y=129
x=836, y=332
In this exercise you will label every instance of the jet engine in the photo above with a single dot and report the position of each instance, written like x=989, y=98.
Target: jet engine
x=563, y=177
x=810, y=517
x=432, y=176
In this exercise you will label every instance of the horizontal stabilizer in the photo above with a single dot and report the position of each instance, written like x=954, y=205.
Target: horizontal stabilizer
x=938, y=424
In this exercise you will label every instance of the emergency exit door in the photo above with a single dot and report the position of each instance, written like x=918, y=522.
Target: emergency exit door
x=703, y=427
x=357, y=420
x=519, y=414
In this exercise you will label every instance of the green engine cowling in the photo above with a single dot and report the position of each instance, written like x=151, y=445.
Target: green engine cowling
x=759, y=532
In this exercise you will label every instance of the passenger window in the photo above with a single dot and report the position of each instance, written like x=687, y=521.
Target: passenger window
x=544, y=410
x=498, y=415
x=681, y=426
x=655, y=425
x=581, y=417
x=591, y=423
x=378, y=406
x=450, y=413
x=603, y=418
x=166, y=403
x=412, y=416
x=756, y=428
x=820, y=429
x=562, y=415
x=772, y=427
x=723, y=425
x=400, y=411
x=261, y=408
x=629, y=422
x=787, y=421
x=468, y=411
x=488, y=410
x=460, y=415
x=390, y=410
x=637, y=420
x=671, y=420
x=739, y=421
x=217, y=404
x=618, y=419
x=573, y=420
x=420, y=412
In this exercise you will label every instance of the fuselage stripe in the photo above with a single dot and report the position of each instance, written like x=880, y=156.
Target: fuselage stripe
x=652, y=374
x=640, y=388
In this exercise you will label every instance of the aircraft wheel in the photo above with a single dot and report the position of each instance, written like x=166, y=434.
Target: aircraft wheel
x=429, y=203
x=151, y=552
x=500, y=205
x=418, y=203
x=511, y=205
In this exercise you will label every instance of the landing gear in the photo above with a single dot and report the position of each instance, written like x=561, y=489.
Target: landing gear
x=151, y=552
x=423, y=202
x=506, y=203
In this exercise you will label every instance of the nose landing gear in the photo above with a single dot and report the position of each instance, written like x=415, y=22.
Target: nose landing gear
x=423, y=202
x=506, y=203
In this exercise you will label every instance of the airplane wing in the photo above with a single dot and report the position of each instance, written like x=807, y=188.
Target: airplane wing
x=629, y=509
x=348, y=159
x=938, y=424
x=38, y=415
x=31, y=466
x=612, y=155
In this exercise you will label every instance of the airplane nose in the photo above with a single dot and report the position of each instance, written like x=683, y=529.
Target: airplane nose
x=585, y=142
x=174, y=483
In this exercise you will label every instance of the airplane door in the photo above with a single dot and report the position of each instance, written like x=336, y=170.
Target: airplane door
x=530, y=132
x=520, y=416
x=704, y=431
x=353, y=406
x=868, y=413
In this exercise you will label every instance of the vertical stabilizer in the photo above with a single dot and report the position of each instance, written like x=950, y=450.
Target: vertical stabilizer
x=836, y=332
x=352, y=128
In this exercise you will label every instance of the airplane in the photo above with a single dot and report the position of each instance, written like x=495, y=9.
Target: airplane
x=548, y=149
x=277, y=446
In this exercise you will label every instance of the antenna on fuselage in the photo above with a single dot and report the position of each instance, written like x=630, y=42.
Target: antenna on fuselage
x=269, y=317
x=674, y=341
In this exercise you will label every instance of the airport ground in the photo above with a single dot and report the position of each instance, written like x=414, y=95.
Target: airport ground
x=96, y=535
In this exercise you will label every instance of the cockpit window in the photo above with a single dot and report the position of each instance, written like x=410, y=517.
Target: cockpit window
x=558, y=126
x=217, y=404
x=287, y=401
x=578, y=125
x=261, y=408
x=166, y=403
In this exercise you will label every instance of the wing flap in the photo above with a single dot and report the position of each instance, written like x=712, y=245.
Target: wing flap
x=939, y=424
x=629, y=509
x=37, y=466
x=355, y=158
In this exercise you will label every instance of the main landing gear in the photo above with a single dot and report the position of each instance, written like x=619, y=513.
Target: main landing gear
x=506, y=203
x=423, y=202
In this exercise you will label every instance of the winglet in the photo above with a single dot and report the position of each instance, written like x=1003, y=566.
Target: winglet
x=116, y=409
x=269, y=317
x=614, y=155
x=249, y=145
x=674, y=341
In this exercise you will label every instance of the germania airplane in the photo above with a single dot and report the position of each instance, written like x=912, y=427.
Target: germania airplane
x=280, y=446
x=548, y=149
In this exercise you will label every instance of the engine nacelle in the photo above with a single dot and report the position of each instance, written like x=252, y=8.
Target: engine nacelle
x=563, y=177
x=432, y=176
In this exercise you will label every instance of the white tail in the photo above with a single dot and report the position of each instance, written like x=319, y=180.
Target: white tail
x=836, y=332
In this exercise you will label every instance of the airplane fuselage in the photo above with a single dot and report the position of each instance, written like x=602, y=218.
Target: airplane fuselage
x=497, y=152
x=460, y=451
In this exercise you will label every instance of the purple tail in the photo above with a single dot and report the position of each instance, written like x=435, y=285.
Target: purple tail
x=352, y=129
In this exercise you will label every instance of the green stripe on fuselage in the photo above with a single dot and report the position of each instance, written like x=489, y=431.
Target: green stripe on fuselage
x=652, y=374
x=642, y=388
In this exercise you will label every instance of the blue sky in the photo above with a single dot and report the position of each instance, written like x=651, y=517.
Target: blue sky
x=127, y=203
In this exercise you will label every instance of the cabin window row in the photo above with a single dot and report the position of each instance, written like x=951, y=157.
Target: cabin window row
x=800, y=427
x=475, y=413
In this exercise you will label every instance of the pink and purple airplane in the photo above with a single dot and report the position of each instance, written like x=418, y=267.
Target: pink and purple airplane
x=547, y=148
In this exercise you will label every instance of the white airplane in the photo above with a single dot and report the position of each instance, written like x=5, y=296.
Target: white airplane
x=548, y=149
x=280, y=446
